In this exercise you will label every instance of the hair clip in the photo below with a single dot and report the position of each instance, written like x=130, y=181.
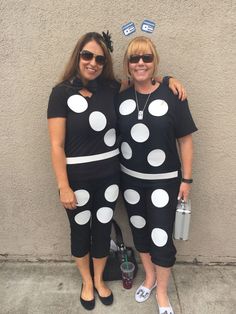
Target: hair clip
x=128, y=28
x=107, y=39
x=148, y=26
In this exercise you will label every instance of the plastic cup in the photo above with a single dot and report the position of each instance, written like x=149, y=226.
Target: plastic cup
x=127, y=271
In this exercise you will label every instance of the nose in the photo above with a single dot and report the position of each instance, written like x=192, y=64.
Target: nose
x=93, y=61
x=140, y=61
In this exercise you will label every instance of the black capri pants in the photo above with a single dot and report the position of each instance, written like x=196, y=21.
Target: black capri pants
x=151, y=210
x=90, y=222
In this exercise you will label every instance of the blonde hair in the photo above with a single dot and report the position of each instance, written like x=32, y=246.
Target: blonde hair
x=72, y=67
x=140, y=45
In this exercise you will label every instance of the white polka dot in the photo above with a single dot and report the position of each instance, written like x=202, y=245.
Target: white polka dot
x=140, y=132
x=156, y=157
x=82, y=197
x=77, y=103
x=126, y=150
x=138, y=221
x=112, y=193
x=83, y=217
x=110, y=137
x=158, y=108
x=127, y=107
x=131, y=196
x=159, y=237
x=104, y=214
x=97, y=121
x=160, y=198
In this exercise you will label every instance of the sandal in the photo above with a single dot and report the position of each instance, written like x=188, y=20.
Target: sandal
x=143, y=293
x=166, y=310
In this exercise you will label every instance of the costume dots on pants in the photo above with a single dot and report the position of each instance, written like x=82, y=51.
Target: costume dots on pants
x=131, y=196
x=137, y=221
x=159, y=237
x=104, y=214
x=83, y=217
x=82, y=197
x=160, y=198
x=111, y=193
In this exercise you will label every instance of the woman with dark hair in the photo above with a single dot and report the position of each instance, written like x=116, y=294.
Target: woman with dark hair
x=151, y=119
x=84, y=149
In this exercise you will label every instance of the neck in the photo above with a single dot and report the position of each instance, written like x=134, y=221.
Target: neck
x=145, y=87
x=83, y=80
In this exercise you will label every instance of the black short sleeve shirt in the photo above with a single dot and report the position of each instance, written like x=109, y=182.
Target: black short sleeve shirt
x=149, y=145
x=90, y=127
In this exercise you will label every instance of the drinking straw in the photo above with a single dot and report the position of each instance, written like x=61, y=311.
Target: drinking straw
x=126, y=260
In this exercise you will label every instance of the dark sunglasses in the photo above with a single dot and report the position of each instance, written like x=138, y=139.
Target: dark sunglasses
x=87, y=56
x=147, y=58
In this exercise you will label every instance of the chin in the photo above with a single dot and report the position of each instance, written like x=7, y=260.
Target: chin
x=91, y=77
x=142, y=79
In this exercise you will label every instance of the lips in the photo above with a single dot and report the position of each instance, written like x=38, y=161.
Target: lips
x=90, y=70
x=141, y=71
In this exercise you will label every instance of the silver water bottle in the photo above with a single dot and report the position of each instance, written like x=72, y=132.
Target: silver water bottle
x=182, y=220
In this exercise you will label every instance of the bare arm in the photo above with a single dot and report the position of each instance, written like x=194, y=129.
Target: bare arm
x=56, y=128
x=186, y=153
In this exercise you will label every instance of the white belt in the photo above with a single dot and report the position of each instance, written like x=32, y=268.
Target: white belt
x=150, y=176
x=84, y=159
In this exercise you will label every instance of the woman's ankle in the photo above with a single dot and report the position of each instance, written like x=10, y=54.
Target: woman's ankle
x=162, y=298
x=149, y=281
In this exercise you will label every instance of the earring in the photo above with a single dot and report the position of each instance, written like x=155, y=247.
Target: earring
x=153, y=81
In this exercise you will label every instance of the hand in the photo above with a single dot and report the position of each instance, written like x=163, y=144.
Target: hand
x=67, y=198
x=177, y=88
x=184, y=191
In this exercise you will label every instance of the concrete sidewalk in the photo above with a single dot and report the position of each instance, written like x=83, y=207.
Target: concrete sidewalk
x=54, y=288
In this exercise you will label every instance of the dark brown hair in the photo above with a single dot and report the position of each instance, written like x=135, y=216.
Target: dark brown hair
x=72, y=67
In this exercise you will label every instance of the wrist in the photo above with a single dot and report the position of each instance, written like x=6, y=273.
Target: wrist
x=188, y=181
x=166, y=80
x=63, y=187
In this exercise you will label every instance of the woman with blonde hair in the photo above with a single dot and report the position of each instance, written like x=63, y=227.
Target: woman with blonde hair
x=151, y=119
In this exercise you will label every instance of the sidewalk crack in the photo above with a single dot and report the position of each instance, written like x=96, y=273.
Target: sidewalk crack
x=177, y=292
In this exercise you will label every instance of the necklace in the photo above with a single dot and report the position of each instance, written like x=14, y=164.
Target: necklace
x=140, y=112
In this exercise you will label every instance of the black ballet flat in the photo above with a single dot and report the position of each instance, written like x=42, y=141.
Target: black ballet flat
x=105, y=300
x=88, y=305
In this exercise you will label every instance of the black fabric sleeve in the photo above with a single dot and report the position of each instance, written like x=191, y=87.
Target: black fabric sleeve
x=57, y=104
x=184, y=124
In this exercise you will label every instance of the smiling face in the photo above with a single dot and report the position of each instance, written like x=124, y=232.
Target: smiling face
x=141, y=71
x=146, y=68
x=90, y=69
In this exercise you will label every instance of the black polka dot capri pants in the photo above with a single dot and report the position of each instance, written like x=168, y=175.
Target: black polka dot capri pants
x=90, y=222
x=151, y=210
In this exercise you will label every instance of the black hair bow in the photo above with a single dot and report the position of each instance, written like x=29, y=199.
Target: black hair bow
x=107, y=39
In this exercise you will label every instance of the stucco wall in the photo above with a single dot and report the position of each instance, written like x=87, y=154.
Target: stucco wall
x=196, y=43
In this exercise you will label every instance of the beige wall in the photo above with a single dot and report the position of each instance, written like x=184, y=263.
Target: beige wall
x=196, y=43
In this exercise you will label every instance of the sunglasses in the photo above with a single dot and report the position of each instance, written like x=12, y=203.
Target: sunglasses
x=147, y=58
x=87, y=56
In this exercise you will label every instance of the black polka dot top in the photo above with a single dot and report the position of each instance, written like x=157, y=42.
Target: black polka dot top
x=148, y=138
x=91, y=147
